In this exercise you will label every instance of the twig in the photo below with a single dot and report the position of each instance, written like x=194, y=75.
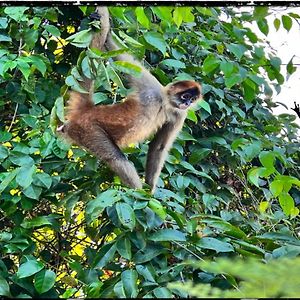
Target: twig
x=296, y=109
x=14, y=117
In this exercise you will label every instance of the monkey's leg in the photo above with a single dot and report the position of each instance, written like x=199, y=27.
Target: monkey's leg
x=158, y=150
x=104, y=148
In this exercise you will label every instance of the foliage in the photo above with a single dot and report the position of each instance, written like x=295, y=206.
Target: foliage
x=251, y=279
x=230, y=186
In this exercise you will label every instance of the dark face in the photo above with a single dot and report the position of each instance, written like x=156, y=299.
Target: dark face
x=184, y=93
x=188, y=97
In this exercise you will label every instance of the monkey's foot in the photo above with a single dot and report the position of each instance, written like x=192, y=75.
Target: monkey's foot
x=95, y=16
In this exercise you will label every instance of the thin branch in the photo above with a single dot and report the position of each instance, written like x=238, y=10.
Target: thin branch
x=14, y=117
x=296, y=109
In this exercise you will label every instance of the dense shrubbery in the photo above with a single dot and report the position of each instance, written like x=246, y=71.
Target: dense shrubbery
x=230, y=186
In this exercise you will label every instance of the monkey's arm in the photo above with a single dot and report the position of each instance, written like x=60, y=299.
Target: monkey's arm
x=158, y=149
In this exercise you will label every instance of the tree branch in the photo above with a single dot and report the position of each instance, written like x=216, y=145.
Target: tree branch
x=296, y=109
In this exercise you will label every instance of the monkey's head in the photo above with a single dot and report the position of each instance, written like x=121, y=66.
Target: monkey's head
x=183, y=94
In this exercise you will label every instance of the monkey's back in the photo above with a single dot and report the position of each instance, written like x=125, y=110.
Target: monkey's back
x=127, y=122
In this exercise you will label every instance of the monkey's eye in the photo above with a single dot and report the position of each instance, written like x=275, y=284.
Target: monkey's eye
x=186, y=96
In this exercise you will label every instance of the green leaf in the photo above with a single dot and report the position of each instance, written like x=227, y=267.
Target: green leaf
x=129, y=280
x=25, y=175
x=237, y=49
x=96, y=206
x=29, y=268
x=167, y=235
x=267, y=158
x=156, y=40
x=177, y=16
x=32, y=192
x=128, y=68
x=128, y=40
x=253, y=175
x=226, y=227
x=276, y=187
x=8, y=179
x=144, y=271
x=185, y=136
x=156, y=206
x=263, y=26
x=118, y=12
x=286, y=203
x=126, y=215
x=276, y=63
x=16, y=12
x=191, y=115
x=147, y=254
x=162, y=292
x=164, y=13
x=4, y=288
x=276, y=23
x=24, y=67
x=5, y=38
x=36, y=222
x=104, y=256
x=232, y=80
x=59, y=108
x=290, y=67
x=124, y=248
x=5, y=136
x=81, y=39
x=44, y=281
x=263, y=205
x=287, y=22
x=205, y=105
x=141, y=17
x=53, y=30
x=73, y=83
x=173, y=63
x=181, y=14
x=226, y=68
x=191, y=168
x=198, y=155
x=249, y=89
x=43, y=180
x=38, y=63
x=260, y=12
x=214, y=244
x=3, y=23
x=210, y=64
x=119, y=290
x=250, y=247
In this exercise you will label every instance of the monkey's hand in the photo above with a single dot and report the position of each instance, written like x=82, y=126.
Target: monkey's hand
x=94, y=16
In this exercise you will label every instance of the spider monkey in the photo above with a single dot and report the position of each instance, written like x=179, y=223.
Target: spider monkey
x=151, y=108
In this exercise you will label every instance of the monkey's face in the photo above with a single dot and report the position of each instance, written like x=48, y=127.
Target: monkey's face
x=183, y=94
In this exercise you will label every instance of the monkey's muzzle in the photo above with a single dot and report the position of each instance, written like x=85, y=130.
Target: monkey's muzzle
x=60, y=128
x=185, y=104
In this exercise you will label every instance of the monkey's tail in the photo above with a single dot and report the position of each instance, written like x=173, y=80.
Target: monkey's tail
x=78, y=104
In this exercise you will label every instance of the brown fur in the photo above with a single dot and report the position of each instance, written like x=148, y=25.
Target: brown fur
x=152, y=108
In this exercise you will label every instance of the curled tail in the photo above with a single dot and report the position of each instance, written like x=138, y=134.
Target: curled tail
x=78, y=104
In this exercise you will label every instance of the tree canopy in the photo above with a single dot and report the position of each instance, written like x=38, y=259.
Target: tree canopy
x=229, y=188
